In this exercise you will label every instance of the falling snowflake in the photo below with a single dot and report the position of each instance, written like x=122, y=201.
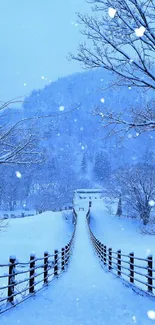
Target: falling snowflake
x=129, y=88
x=61, y=108
x=148, y=251
x=152, y=203
x=112, y=12
x=81, y=129
x=140, y=31
x=134, y=319
x=77, y=299
x=82, y=147
x=25, y=84
x=58, y=134
x=75, y=120
x=137, y=134
x=151, y=314
x=129, y=136
x=131, y=61
x=42, y=77
x=102, y=100
x=18, y=174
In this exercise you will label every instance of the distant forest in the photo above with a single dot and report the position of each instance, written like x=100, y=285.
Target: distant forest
x=73, y=146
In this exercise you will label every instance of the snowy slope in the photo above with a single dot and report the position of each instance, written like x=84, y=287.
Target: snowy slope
x=39, y=233
x=120, y=233
x=85, y=295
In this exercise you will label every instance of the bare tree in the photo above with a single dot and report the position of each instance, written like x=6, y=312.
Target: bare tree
x=132, y=119
x=18, y=144
x=121, y=39
x=138, y=188
x=19, y=138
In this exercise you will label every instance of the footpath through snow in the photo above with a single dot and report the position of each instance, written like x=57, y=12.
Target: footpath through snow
x=84, y=295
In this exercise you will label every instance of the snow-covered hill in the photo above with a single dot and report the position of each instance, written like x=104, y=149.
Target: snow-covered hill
x=39, y=233
x=120, y=233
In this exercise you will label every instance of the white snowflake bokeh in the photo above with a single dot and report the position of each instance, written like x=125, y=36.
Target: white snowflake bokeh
x=151, y=203
x=140, y=31
x=61, y=108
x=18, y=174
x=151, y=314
x=112, y=12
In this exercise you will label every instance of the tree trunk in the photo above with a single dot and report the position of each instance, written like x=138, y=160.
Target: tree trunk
x=119, y=207
x=145, y=216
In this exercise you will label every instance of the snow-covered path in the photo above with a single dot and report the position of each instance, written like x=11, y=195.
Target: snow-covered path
x=84, y=295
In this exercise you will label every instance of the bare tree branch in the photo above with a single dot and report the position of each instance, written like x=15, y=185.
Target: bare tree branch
x=117, y=44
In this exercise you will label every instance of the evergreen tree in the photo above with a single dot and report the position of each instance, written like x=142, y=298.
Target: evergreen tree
x=119, y=207
x=102, y=168
x=84, y=166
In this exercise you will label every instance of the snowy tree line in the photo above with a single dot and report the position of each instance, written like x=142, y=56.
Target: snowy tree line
x=69, y=145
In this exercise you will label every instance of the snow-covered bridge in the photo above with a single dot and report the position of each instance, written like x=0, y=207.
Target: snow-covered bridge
x=85, y=295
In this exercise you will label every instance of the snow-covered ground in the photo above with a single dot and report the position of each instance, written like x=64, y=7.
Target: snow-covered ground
x=86, y=294
x=39, y=233
x=119, y=232
x=21, y=237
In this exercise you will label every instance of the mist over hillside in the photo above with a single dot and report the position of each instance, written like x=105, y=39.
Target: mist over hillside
x=77, y=150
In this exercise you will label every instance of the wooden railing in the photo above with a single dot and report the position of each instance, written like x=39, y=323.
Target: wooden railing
x=136, y=271
x=21, y=280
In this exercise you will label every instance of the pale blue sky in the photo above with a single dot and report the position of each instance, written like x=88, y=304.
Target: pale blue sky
x=36, y=36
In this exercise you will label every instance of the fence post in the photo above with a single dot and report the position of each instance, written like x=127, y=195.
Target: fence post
x=62, y=259
x=102, y=248
x=119, y=262
x=110, y=258
x=99, y=247
x=32, y=273
x=68, y=253
x=96, y=245
x=150, y=272
x=56, y=262
x=131, y=267
x=11, y=278
x=105, y=254
x=45, y=267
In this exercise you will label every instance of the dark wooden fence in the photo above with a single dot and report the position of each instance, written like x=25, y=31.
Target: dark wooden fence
x=22, y=280
x=136, y=271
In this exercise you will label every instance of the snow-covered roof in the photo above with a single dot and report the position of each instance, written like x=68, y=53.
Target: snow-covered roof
x=88, y=190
